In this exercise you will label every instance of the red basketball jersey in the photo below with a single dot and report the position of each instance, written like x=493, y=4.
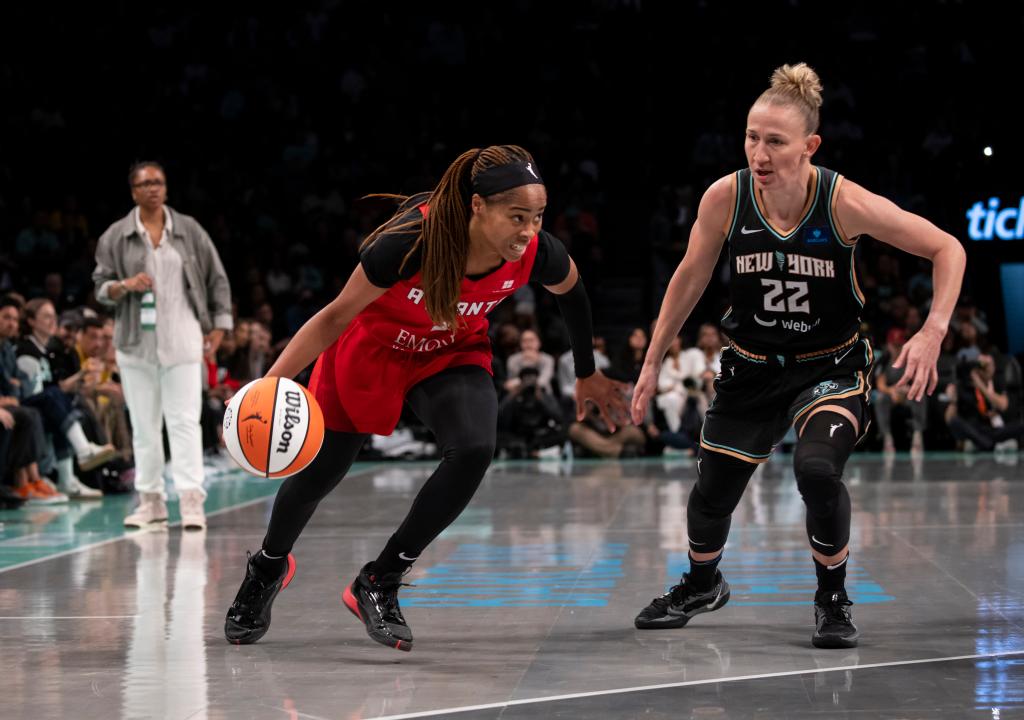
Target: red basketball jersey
x=399, y=317
x=360, y=381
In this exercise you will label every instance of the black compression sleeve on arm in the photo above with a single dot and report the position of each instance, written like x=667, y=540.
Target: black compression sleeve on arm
x=575, y=308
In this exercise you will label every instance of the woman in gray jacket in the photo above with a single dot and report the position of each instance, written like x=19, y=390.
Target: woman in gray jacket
x=161, y=273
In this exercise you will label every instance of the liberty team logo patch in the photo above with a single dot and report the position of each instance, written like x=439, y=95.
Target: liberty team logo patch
x=780, y=259
x=825, y=387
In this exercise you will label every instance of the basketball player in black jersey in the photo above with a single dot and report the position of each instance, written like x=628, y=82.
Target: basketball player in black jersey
x=795, y=356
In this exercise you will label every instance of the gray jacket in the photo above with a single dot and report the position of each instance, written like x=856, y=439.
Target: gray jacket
x=121, y=254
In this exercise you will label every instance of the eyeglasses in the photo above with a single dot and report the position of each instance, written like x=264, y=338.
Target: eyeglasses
x=149, y=184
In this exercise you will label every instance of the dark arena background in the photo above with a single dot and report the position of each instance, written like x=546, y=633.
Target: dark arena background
x=271, y=124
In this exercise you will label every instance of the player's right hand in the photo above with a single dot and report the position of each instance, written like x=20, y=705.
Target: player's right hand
x=644, y=392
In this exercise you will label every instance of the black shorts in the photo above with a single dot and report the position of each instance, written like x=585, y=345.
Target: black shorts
x=757, y=401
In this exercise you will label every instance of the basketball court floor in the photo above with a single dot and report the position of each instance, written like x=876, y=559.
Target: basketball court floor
x=524, y=608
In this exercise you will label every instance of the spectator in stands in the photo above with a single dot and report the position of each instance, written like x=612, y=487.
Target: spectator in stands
x=25, y=443
x=35, y=350
x=530, y=355
x=631, y=359
x=60, y=420
x=258, y=356
x=968, y=342
x=978, y=399
x=102, y=389
x=529, y=418
x=593, y=435
x=674, y=386
x=890, y=398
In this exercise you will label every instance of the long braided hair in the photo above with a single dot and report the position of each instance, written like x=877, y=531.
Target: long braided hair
x=444, y=237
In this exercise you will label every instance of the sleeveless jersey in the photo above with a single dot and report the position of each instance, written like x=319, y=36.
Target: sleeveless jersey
x=795, y=292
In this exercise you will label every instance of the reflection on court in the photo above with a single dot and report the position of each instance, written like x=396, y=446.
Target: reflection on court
x=524, y=607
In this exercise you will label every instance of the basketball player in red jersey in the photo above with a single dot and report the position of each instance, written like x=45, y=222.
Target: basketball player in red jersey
x=410, y=326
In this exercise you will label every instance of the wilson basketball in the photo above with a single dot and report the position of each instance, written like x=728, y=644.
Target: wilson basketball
x=273, y=427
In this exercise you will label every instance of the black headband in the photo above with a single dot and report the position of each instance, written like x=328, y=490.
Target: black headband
x=505, y=177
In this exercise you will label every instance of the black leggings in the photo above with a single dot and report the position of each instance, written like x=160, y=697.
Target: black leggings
x=460, y=407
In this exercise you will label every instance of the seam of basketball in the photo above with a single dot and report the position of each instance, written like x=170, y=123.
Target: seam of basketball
x=273, y=418
x=309, y=420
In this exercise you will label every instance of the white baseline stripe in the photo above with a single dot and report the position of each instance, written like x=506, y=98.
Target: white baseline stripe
x=230, y=508
x=688, y=683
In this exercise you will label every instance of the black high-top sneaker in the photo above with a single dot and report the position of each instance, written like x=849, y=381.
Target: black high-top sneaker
x=833, y=623
x=374, y=599
x=676, y=607
x=249, y=615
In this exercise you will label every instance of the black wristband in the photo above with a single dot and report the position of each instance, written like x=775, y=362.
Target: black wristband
x=575, y=308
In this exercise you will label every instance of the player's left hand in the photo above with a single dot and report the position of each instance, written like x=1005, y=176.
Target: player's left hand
x=608, y=396
x=919, y=357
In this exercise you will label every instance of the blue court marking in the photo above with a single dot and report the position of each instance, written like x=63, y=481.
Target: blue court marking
x=538, y=575
x=779, y=577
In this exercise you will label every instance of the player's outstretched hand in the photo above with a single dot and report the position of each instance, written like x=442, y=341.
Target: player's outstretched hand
x=608, y=396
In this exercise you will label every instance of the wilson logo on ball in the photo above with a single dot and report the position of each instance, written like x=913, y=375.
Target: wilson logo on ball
x=279, y=427
x=292, y=418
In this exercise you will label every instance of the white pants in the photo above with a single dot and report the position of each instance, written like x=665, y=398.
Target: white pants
x=671, y=404
x=172, y=394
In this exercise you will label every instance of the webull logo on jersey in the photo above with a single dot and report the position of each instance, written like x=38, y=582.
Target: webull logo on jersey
x=793, y=263
x=800, y=325
x=825, y=387
x=816, y=236
x=292, y=419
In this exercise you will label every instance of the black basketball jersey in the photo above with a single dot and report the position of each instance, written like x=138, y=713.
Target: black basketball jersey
x=793, y=292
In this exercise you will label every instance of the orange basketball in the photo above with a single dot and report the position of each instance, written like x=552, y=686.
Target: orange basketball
x=273, y=427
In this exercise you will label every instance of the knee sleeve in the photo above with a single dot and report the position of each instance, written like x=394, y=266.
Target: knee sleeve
x=821, y=454
x=721, y=480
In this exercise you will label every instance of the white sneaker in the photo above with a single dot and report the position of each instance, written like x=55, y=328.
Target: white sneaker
x=151, y=510
x=95, y=456
x=551, y=453
x=192, y=515
x=77, y=490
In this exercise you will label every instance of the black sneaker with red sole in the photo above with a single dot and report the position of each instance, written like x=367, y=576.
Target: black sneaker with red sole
x=374, y=599
x=249, y=615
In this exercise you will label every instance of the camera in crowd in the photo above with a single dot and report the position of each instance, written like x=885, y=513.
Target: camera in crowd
x=982, y=363
x=965, y=368
x=528, y=377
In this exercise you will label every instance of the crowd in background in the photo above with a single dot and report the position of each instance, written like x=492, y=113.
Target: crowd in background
x=271, y=132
